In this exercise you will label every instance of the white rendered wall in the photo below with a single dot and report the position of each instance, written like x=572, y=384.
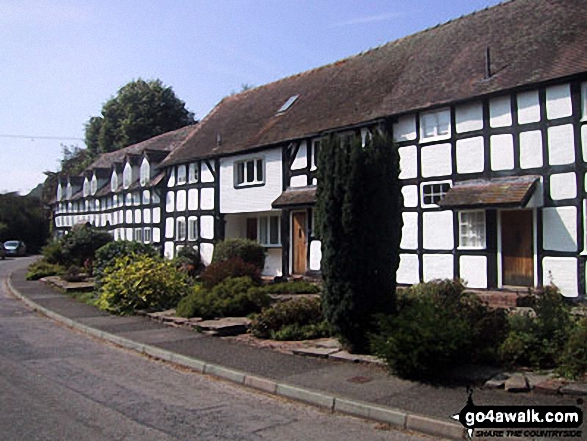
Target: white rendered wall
x=561, y=145
x=298, y=181
x=193, y=199
x=301, y=159
x=469, y=117
x=500, y=112
x=408, y=162
x=315, y=255
x=436, y=160
x=207, y=227
x=473, y=269
x=562, y=272
x=437, y=266
x=410, y=194
x=438, y=230
x=563, y=186
x=558, y=101
x=250, y=199
x=559, y=228
x=207, y=202
x=206, y=252
x=273, y=263
x=207, y=175
x=528, y=107
x=502, y=152
x=531, y=149
x=181, y=200
x=409, y=269
x=409, y=231
x=471, y=155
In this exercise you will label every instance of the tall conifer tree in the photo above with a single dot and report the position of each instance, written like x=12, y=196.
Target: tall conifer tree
x=359, y=222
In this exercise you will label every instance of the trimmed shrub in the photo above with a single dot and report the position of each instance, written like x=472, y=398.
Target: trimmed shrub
x=41, y=269
x=217, y=272
x=437, y=327
x=53, y=252
x=295, y=287
x=234, y=297
x=106, y=254
x=81, y=244
x=247, y=250
x=297, y=319
x=573, y=361
x=140, y=282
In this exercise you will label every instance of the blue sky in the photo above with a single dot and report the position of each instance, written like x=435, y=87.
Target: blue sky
x=60, y=60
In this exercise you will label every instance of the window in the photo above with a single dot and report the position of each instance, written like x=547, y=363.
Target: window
x=192, y=228
x=193, y=173
x=180, y=228
x=434, y=125
x=432, y=193
x=147, y=235
x=114, y=181
x=181, y=175
x=145, y=172
x=287, y=104
x=86, y=189
x=94, y=185
x=127, y=176
x=472, y=229
x=138, y=235
x=249, y=173
x=136, y=198
x=269, y=231
x=146, y=197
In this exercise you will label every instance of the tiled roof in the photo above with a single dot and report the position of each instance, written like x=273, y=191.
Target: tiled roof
x=529, y=41
x=512, y=192
x=295, y=197
x=162, y=143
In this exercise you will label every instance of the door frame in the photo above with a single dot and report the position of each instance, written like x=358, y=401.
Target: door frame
x=534, y=246
x=292, y=240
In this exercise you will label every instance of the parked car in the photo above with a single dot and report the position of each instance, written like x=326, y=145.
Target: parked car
x=15, y=248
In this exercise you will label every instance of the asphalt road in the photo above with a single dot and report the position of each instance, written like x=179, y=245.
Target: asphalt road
x=57, y=384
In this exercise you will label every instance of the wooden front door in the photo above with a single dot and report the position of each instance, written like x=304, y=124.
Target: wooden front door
x=517, y=248
x=299, y=242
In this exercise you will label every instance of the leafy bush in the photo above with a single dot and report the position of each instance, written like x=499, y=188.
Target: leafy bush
x=189, y=261
x=42, y=268
x=234, y=297
x=539, y=341
x=141, y=282
x=437, y=327
x=247, y=250
x=82, y=243
x=233, y=267
x=106, y=254
x=53, y=252
x=297, y=319
x=295, y=287
x=573, y=361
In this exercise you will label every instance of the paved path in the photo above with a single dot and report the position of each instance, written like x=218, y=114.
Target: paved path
x=61, y=385
x=358, y=389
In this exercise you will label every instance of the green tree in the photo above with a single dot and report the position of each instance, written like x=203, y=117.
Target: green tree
x=140, y=110
x=23, y=218
x=359, y=223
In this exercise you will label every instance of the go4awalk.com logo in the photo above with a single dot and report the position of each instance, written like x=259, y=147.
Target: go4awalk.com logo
x=520, y=421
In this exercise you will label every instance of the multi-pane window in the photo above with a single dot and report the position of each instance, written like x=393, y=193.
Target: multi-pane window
x=472, y=229
x=269, y=231
x=433, y=193
x=249, y=172
x=192, y=228
x=181, y=175
x=147, y=236
x=435, y=124
x=193, y=173
x=138, y=235
x=180, y=228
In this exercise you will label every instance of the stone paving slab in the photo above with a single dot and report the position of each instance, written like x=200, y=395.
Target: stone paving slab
x=153, y=336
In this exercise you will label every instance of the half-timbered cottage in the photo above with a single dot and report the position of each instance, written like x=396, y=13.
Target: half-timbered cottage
x=488, y=113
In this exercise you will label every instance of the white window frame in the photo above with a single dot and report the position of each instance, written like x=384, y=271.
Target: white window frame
x=138, y=235
x=147, y=235
x=437, y=192
x=180, y=228
x=432, y=125
x=94, y=185
x=145, y=172
x=264, y=223
x=193, y=173
x=242, y=171
x=127, y=176
x=181, y=174
x=86, y=188
x=472, y=230
x=192, y=228
x=114, y=181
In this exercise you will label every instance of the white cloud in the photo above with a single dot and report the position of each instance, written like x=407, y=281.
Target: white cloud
x=369, y=19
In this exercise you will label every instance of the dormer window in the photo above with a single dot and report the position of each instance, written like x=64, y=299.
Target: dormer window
x=181, y=175
x=94, y=185
x=127, y=176
x=193, y=173
x=114, y=181
x=59, y=192
x=86, y=189
x=145, y=172
x=250, y=172
x=69, y=191
x=287, y=104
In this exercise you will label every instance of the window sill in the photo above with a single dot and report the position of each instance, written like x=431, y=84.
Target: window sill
x=472, y=248
x=249, y=185
x=434, y=138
